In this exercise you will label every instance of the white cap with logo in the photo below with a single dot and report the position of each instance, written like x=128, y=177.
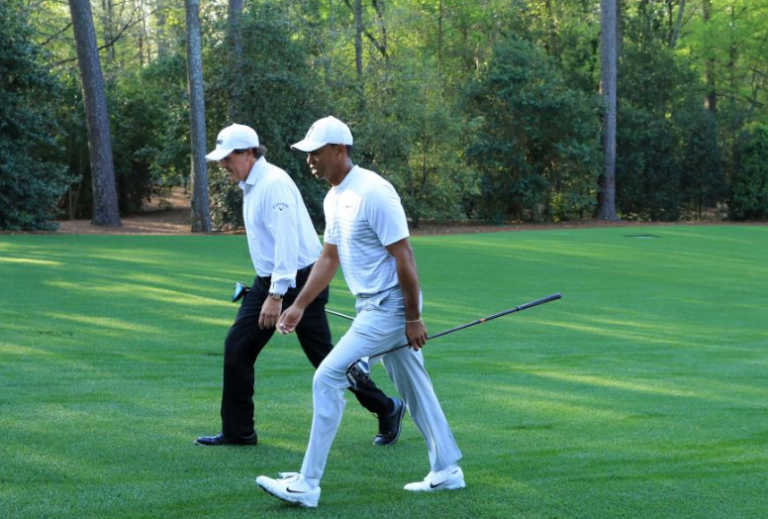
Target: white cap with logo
x=325, y=131
x=231, y=138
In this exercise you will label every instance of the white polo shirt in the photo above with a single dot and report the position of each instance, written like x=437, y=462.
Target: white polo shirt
x=281, y=237
x=363, y=215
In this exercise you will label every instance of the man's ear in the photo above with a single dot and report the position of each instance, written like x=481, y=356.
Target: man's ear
x=341, y=150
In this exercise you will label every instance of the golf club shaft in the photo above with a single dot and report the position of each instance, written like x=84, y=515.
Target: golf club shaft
x=525, y=306
x=337, y=314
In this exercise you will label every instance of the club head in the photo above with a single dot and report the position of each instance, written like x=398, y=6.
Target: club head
x=239, y=293
x=359, y=373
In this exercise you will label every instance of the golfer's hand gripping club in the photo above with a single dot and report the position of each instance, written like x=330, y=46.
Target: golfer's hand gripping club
x=359, y=372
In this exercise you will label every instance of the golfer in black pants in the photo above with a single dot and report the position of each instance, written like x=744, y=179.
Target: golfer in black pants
x=283, y=246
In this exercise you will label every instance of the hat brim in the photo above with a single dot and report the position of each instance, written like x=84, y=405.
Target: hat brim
x=218, y=154
x=308, y=146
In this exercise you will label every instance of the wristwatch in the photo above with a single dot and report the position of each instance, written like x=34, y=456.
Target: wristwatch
x=275, y=295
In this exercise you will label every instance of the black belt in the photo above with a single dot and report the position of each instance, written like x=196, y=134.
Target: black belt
x=305, y=270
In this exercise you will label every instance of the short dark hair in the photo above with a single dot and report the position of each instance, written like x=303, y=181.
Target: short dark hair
x=258, y=152
x=349, y=149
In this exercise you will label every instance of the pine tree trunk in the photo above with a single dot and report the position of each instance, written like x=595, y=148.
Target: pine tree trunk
x=709, y=70
x=201, y=214
x=608, y=44
x=359, y=38
x=105, y=208
x=235, y=54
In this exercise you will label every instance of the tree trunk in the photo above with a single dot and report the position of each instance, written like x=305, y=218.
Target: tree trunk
x=201, y=215
x=109, y=25
x=359, y=38
x=608, y=51
x=105, y=208
x=678, y=24
x=440, y=12
x=161, y=18
x=709, y=67
x=327, y=63
x=235, y=54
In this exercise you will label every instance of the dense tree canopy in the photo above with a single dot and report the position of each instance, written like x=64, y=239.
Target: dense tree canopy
x=474, y=110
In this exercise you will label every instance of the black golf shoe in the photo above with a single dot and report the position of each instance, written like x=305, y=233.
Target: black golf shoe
x=220, y=439
x=389, y=426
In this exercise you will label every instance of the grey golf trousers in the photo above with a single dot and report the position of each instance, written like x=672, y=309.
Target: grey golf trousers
x=378, y=326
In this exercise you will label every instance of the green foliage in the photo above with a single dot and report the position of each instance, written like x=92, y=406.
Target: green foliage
x=750, y=182
x=280, y=99
x=150, y=125
x=669, y=162
x=647, y=174
x=32, y=175
x=536, y=146
x=463, y=118
x=417, y=142
x=226, y=200
x=702, y=183
x=151, y=128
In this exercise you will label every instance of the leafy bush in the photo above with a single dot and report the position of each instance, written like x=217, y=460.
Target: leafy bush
x=750, y=179
x=149, y=118
x=32, y=175
x=669, y=162
x=537, y=145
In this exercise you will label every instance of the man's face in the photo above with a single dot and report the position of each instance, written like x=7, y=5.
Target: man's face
x=322, y=161
x=237, y=164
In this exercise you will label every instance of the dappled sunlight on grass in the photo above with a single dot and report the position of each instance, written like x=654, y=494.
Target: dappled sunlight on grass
x=109, y=323
x=222, y=323
x=29, y=261
x=557, y=404
x=17, y=349
x=613, y=383
x=652, y=336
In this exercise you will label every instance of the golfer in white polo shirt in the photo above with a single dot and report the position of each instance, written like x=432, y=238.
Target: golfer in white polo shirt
x=367, y=234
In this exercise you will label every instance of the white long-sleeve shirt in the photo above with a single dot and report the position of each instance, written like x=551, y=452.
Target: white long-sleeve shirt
x=281, y=237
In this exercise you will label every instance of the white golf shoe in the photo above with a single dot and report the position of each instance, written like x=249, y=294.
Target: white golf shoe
x=292, y=488
x=447, y=479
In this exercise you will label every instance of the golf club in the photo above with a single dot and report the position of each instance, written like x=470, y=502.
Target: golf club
x=337, y=314
x=359, y=371
x=240, y=291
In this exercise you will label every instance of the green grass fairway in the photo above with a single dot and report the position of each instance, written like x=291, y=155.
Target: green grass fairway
x=643, y=393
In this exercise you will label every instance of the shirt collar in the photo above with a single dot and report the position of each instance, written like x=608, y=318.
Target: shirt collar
x=347, y=180
x=255, y=175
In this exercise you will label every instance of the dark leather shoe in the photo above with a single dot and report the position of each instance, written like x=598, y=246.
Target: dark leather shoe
x=390, y=426
x=220, y=439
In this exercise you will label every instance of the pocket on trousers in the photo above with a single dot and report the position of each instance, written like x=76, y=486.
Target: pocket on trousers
x=392, y=302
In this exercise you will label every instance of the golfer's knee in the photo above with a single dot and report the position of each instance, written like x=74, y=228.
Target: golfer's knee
x=233, y=347
x=326, y=378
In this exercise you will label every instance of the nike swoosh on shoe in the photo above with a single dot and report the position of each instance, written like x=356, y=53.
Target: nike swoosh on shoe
x=432, y=485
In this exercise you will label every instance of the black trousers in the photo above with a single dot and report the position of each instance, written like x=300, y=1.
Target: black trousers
x=245, y=341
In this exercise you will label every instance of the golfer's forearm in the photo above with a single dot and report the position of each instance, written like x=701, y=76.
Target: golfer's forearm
x=320, y=277
x=315, y=285
x=408, y=278
x=409, y=285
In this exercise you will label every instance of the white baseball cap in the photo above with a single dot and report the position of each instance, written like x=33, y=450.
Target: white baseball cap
x=231, y=138
x=325, y=131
